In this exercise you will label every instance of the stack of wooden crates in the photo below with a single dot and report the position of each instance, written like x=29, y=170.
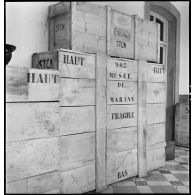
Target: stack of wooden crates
x=100, y=116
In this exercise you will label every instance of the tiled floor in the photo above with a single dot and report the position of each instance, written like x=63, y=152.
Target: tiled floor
x=172, y=178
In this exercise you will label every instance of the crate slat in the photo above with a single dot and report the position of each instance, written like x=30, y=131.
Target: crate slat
x=31, y=120
x=31, y=157
x=121, y=166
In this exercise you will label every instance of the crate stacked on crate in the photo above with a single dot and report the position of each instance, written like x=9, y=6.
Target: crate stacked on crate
x=182, y=121
x=31, y=131
x=95, y=119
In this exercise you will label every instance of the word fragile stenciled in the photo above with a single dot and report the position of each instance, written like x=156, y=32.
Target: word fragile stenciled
x=42, y=78
x=124, y=115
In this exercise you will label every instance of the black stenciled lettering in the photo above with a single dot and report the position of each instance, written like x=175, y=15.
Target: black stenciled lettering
x=40, y=79
x=30, y=77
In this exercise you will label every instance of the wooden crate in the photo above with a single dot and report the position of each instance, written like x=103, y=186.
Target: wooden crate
x=121, y=119
x=182, y=123
x=77, y=26
x=131, y=37
x=23, y=84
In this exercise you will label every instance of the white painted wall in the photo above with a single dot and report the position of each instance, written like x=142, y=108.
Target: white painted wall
x=26, y=27
x=183, y=8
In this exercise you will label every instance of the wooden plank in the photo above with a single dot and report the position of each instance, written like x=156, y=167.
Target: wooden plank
x=62, y=28
x=45, y=60
x=78, y=180
x=88, y=23
x=31, y=120
x=121, y=69
x=121, y=35
x=155, y=133
x=121, y=139
x=155, y=146
x=77, y=147
x=76, y=92
x=44, y=183
x=184, y=99
x=136, y=37
x=16, y=84
x=156, y=92
x=184, y=111
x=121, y=92
x=88, y=42
x=121, y=166
x=91, y=8
x=146, y=26
x=155, y=158
x=142, y=120
x=76, y=65
x=76, y=120
x=20, y=187
x=31, y=157
x=119, y=116
x=155, y=72
x=59, y=8
x=155, y=113
x=43, y=85
x=147, y=52
x=108, y=29
x=121, y=49
x=101, y=122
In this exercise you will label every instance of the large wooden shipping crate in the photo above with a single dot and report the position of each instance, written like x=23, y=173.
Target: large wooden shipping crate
x=32, y=112
x=77, y=122
x=121, y=119
x=86, y=27
x=79, y=26
x=182, y=121
x=83, y=121
x=131, y=37
x=155, y=78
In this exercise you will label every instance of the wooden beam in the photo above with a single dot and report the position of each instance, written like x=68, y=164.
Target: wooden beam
x=142, y=123
x=101, y=121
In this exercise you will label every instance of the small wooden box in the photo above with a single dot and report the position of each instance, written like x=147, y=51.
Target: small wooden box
x=79, y=26
x=182, y=122
x=131, y=37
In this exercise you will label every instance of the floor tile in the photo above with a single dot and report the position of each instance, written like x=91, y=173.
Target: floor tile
x=163, y=189
x=124, y=183
x=176, y=167
x=158, y=183
x=170, y=177
x=182, y=189
x=165, y=172
x=182, y=177
x=176, y=183
x=179, y=172
x=173, y=163
x=125, y=189
x=179, y=160
x=156, y=177
x=141, y=183
x=144, y=189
